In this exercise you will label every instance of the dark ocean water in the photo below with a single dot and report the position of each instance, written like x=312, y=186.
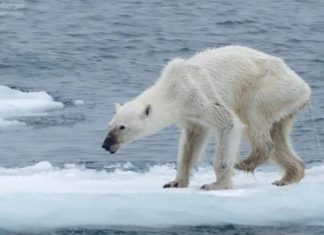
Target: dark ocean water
x=104, y=52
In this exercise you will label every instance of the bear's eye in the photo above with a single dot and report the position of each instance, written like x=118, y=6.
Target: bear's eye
x=122, y=127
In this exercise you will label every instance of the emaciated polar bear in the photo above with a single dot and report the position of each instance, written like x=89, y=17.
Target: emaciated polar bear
x=225, y=91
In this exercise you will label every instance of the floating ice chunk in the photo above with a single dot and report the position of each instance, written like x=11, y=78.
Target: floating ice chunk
x=43, y=196
x=10, y=123
x=78, y=102
x=15, y=103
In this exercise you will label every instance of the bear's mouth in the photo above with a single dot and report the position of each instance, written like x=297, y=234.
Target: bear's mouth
x=110, y=148
x=113, y=149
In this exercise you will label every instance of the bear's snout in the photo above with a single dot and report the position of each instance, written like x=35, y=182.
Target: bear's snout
x=110, y=144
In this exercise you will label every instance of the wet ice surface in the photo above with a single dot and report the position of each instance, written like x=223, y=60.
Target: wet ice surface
x=45, y=197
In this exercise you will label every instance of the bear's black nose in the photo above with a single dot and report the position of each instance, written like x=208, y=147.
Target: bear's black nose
x=110, y=144
x=109, y=141
x=105, y=146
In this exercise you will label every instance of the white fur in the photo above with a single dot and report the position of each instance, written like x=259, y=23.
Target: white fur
x=222, y=91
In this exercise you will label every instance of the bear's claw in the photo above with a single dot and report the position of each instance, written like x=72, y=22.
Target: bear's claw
x=171, y=185
x=216, y=186
x=176, y=184
x=279, y=183
x=204, y=187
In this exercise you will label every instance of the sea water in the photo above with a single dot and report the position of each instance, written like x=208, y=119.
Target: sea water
x=64, y=64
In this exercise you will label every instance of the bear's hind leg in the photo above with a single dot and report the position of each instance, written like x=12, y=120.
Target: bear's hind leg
x=192, y=141
x=284, y=156
x=262, y=148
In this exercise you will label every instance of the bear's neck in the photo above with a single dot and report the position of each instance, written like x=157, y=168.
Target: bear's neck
x=162, y=108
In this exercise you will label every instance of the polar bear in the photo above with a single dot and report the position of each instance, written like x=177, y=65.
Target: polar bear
x=225, y=91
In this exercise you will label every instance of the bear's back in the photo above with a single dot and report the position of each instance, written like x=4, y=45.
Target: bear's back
x=226, y=52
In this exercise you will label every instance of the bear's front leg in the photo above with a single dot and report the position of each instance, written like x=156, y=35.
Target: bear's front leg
x=229, y=134
x=192, y=140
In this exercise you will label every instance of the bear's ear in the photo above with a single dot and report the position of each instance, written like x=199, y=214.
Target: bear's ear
x=147, y=110
x=117, y=106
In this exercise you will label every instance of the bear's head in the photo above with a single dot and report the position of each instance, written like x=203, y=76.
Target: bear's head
x=130, y=122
